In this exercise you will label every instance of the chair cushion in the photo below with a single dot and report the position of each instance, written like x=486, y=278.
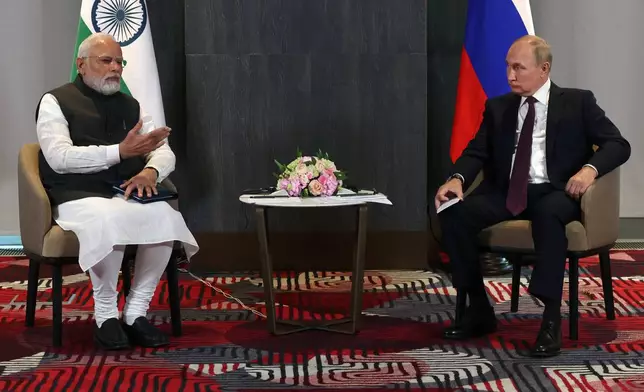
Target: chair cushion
x=518, y=235
x=174, y=204
x=60, y=243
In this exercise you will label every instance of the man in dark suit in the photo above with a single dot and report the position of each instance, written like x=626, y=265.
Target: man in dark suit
x=535, y=146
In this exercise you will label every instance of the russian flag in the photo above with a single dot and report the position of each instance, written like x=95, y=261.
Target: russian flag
x=491, y=27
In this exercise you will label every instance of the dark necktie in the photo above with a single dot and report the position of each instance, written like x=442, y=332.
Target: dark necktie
x=518, y=190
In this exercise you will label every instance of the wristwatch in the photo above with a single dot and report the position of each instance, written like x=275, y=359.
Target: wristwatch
x=456, y=175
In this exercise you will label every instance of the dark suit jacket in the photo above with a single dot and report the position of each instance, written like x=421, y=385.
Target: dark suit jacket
x=575, y=123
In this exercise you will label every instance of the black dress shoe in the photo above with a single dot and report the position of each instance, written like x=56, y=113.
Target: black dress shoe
x=110, y=336
x=144, y=334
x=548, y=342
x=472, y=324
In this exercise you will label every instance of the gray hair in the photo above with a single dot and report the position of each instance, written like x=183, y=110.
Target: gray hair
x=540, y=48
x=542, y=52
x=89, y=42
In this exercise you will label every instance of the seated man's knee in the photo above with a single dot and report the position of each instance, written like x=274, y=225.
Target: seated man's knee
x=548, y=213
x=453, y=214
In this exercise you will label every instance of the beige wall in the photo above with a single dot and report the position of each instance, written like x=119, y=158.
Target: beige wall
x=37, y=46
x=596, y=45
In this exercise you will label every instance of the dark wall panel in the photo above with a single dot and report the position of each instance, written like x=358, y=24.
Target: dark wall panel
x=242, y=110
x=303, y=27
x=264, y=77
x=445, y=35
x=167, y=24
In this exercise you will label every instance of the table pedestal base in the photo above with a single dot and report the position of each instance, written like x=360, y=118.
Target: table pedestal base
x=348, y=325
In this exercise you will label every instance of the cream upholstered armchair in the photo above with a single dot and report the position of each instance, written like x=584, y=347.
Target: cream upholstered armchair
x=596, y=233
x=45, y=242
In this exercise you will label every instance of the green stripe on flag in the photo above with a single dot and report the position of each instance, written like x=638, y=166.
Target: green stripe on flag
x=124, y=88
x=82, y=33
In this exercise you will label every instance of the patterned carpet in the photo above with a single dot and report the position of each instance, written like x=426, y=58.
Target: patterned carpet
x=227, y=348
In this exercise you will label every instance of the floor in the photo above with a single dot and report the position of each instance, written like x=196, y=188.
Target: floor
x=227, y=348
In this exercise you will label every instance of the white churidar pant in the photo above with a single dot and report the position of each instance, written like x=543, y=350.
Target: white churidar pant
x=103, y=227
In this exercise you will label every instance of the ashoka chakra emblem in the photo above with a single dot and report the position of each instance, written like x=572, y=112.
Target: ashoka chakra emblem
x=123, y=19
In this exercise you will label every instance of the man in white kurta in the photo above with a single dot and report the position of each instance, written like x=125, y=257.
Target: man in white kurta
x=104, y=224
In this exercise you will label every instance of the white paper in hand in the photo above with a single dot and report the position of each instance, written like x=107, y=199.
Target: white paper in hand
x=447, y=204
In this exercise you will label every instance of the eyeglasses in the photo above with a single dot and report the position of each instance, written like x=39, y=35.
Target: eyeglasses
x=106, y=61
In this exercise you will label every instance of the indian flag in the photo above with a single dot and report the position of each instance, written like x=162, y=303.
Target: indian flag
x=127, y=21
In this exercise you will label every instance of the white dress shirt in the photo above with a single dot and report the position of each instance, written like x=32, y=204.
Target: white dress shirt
x=53, y=136
x=538, y=169
x=102, y=223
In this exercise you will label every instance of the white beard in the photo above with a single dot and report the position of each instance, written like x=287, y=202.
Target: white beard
x=103, y=86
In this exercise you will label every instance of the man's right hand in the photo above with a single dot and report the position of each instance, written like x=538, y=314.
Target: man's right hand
x=453, y=187
x=135, y=144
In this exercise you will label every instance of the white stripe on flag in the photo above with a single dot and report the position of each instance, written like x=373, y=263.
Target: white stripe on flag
x=523, y=7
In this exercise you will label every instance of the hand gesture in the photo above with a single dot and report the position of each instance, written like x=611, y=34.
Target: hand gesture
x=145, y=181
x=451, y=188
x=578, y=184
x=136, y=144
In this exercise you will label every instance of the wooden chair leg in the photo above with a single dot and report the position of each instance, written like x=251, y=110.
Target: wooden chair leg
x=573, y=296
x=57, y=304
x=173, y=293
x=32, y=293
x=516, y=284
x=607, y=284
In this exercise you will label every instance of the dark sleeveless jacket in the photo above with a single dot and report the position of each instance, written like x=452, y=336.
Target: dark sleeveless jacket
x=94, y=119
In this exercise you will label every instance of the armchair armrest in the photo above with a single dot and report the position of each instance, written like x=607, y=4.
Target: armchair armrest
x=477, y=181
x=600, y=210
x=170, y=186
x=34, y=206
x=433, y=222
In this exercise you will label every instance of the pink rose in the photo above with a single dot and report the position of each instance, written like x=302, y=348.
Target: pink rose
x=329, y=183
x=316, y=188
x=301, y=169
x=328, y=164
x=320, y=165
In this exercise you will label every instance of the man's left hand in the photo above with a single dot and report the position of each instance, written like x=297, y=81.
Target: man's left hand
x=144, y=182
x=579, y=183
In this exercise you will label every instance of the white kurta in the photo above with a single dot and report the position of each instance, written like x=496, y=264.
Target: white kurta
x=101, y=223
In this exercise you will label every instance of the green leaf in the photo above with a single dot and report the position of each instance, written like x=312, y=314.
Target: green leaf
x=280, y=166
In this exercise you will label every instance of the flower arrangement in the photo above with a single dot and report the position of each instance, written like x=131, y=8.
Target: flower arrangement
x=310, y=176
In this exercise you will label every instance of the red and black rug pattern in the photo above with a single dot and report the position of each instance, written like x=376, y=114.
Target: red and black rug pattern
x=225, y=347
